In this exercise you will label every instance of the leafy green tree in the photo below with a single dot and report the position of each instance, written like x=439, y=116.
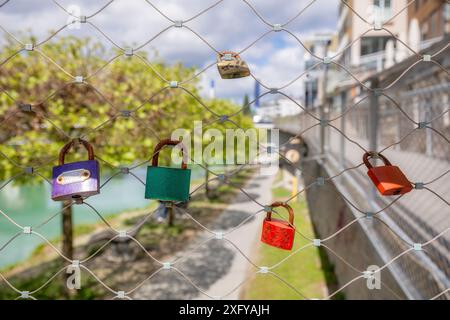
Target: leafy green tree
x=63, y=110
x=246, y=108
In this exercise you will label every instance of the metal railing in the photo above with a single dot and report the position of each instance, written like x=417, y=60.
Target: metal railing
x=311, y=121
x=410, y=124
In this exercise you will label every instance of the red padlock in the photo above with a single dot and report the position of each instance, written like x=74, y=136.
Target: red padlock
x=279, y=233
x=388, y=179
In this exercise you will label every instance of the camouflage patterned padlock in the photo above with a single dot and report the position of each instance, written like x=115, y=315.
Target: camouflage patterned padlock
x=279, y=233
x=77, y=179
x=231, y=66
x=168, y=184
x=388, y=179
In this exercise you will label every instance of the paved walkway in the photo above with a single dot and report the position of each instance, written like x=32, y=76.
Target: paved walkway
x=216, y=267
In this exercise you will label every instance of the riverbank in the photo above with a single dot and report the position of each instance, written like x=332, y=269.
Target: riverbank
x=216, y=268
x=306, y=272
x=30, y=205
x=118, y=266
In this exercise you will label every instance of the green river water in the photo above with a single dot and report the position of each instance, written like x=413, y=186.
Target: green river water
x=31, y=205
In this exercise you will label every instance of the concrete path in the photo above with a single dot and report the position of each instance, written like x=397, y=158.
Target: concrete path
x=216, y=267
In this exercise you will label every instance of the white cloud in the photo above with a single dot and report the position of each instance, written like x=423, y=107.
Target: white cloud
x=231, y=25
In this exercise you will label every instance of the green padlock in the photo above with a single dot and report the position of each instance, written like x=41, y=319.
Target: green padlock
x=168, y=184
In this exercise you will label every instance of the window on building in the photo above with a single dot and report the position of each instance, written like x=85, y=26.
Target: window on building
x=311, y=92
x=435, y=26
x=371, y=45
x=383, y=9
x=417, y=4
x=424, y=30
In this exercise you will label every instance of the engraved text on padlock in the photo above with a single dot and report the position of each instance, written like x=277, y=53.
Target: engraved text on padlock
x=73, y=176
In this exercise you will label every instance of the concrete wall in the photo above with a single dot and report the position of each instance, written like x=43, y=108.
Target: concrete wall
x=330, y=213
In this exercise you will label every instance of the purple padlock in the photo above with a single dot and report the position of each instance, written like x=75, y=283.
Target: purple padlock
x=77, y=179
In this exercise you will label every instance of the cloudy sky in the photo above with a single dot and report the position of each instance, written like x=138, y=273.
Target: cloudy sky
x=231, y=25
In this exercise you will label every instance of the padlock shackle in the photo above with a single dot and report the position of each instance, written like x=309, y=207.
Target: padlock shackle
x=233, y=54
x=284, y=205
x=169, y=142
x=68, y=146
x=372, y=154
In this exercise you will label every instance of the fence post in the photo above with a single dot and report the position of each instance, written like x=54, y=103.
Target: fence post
x=207, y=186
x=398, y=132
x=170, y=215
x=374, y=125
x=322, y=115
x=342, y=138
x=428, y=133
x=324, y=101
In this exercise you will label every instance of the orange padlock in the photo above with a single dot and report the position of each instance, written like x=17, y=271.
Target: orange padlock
x=388, y=179
x=279, y=233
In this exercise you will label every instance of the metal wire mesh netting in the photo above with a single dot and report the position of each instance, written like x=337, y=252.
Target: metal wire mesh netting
x=312, y=121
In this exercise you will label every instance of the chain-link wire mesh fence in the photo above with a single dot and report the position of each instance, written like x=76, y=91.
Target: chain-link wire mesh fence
x=408, y=122
x=377, y=121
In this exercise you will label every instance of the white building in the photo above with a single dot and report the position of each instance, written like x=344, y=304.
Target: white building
x=369, y=53
x=281, y=107
x=318, y=45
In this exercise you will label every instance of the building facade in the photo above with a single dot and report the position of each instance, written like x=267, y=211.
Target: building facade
x=368, y=53
x=320, y=45
x=431, y=19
